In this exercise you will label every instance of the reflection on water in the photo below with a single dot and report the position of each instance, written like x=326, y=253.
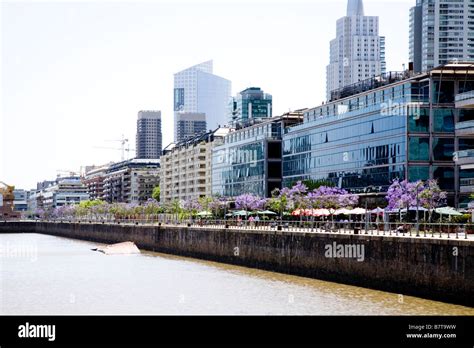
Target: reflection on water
x=50, y=275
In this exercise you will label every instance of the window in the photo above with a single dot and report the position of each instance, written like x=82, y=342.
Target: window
x=419, y=149
x=443, y=120
x=445, y=177
x=443, y=92
x=416, y=173
x=419, y=120
x=443, y=149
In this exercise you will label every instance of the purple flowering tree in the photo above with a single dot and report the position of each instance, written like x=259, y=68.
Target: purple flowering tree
x=404, y=194
x=218, y=205
x=249, y=202
x=399, y=195
x=152, y=207
x=192, y=206
x=332, y=198
x=432, y=196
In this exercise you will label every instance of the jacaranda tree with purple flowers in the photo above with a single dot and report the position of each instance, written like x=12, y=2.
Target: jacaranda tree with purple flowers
x=249, y=202
x=404, y=194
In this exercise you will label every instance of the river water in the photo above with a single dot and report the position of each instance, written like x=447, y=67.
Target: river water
x=49, y=275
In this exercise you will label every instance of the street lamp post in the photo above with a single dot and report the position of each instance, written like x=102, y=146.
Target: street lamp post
x=417, y=214
x=367, y=190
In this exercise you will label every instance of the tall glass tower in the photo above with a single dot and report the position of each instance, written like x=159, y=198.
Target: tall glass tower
x=440, y=32
x=250, y=106
x=358, y=52
x=198, y=90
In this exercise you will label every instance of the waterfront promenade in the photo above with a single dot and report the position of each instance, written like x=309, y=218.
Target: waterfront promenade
x=376, y=229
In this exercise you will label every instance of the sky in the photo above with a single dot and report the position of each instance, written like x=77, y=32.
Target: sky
x=75, y=74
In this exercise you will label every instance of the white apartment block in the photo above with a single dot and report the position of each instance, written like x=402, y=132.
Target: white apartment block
x=441, y=31
x=186, y=167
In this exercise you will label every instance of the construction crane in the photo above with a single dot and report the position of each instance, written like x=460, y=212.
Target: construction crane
x=7, y=207
x=7, y=192
x=123, y=150
x=122, y=142
x=70, y=172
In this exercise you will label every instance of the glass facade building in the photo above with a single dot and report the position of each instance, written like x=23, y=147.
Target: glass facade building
x=250, y=159
x=250, y=106
x=198, y=90
x=394, y=126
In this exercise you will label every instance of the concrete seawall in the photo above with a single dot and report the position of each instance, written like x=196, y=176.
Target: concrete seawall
x=430, y=268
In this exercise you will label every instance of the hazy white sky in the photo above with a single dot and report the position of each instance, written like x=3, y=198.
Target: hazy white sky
x=75, y=74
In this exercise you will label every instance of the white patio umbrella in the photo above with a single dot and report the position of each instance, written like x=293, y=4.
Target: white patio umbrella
x=447, y=211
x=321, y=212
x=378, y=210
x=204, y=214
x=343, y=211
x=358, y=211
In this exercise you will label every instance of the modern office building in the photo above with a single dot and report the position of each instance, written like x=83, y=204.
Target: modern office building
x=250, y=106
x=34, y=202
x=21, y=200
x=398, y=125
x=186, y=167
x=441, y=31
x=198, y=90
x=358, y=52
x=189, y=124
x=131, y=181
x=250, y=159
x=149, y=137
x=465, y=129
x=64, y=191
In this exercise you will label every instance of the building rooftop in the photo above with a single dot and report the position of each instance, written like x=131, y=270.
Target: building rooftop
x=392, y=77
x=355, y=8
x=207, y=136
x=135, y=162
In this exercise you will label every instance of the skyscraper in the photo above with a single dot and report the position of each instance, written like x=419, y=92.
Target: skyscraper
x=250, y=106
x=440, y=32
x=189, y=124
x=198, y=90
x=358, y=52
x=149, y=137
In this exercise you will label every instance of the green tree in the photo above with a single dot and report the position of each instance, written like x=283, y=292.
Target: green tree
x=156, y=193
x=205, y=203
x=91, y=203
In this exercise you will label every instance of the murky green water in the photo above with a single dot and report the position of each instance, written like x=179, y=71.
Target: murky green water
x=42, y=274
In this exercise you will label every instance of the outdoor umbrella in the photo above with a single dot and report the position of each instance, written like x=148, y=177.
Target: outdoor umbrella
x=377, y=211
x=343, y=211
x=204, y=214
x=414, y=209
x=321, y=212
x=266, y=212
x=358, y=211
x=297, y=212
x=447, y=211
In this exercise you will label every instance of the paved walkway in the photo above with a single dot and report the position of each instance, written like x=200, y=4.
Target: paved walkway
x=294, y=229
